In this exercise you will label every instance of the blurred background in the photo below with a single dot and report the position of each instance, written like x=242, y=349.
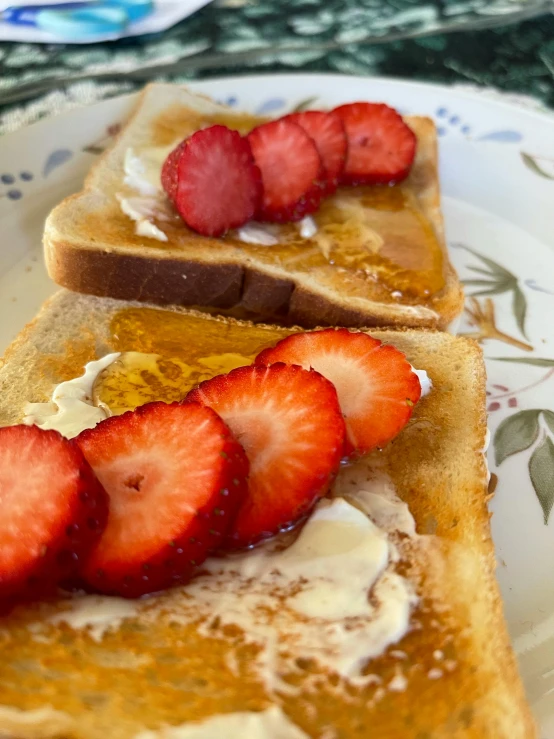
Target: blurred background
x=506, y=45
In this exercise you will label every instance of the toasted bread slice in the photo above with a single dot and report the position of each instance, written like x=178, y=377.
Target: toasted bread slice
x=166, y=661
x=378, y=256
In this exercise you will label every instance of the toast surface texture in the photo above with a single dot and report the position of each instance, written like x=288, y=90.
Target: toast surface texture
x=377, y=258
x=457, y=671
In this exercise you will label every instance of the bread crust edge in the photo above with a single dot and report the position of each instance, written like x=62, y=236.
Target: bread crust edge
x=241, y=290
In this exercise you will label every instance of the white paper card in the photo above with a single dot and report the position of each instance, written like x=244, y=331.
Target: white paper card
x=166, y=14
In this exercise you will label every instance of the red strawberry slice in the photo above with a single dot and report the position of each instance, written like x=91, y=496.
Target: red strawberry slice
x=327, y=131
x=170, y=170
x=292, y=171
x=289, y=422
x=381, y=147
x=175, y=477
x=53, y=510
x=219, y=186
x=376, y=386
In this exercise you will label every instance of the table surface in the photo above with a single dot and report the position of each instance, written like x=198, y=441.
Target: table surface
x=507, y=44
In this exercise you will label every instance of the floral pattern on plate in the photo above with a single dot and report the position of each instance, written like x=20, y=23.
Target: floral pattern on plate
x=523, y=430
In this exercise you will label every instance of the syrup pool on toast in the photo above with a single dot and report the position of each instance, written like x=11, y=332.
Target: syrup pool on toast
x=171, y=355
x=136, y=378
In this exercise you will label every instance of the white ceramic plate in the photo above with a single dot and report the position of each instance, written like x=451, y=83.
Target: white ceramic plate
x=497, y=170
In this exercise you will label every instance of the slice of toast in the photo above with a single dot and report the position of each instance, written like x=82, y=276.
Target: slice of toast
x=168, y=661
x=378, y=256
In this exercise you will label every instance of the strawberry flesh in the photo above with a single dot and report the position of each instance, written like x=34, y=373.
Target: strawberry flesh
x=381, y=147
x=176, y=477
x=170, y=171
x=292, y=171
x=328, y=132
x=53, y=510
x=219, y=186
x=376, y=386
x=290, y=425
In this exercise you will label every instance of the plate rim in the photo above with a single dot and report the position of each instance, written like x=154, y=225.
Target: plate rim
x=542, y=116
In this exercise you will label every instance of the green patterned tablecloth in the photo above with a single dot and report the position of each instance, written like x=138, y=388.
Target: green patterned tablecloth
x=495, y=43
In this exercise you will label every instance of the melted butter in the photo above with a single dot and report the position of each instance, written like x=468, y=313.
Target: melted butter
x=71, y=408
x=269, y=724
x=136, y=378
x=96, y=613
x=292, y=602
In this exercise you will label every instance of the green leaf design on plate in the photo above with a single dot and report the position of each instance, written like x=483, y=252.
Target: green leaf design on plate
x=500, y=281
x=549, y=418
x=531, y=162
x=535, y=361
x=488, y=283
x=480, y=271
x=498, y=289
x=304, y=105
x=519, y=308
x=494, y=267
x=515, y=434
x=541, y=470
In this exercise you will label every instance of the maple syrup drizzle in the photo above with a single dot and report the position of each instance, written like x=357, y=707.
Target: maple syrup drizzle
x=136, y=378
x=165, y=354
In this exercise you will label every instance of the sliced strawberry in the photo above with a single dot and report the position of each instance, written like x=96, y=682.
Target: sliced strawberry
x=175, y=477
x=327, y=131
x=53, y=510
x=376, y=386
x=381, y=147
x=289, y=422
x=219, y=186
x=292, y=170
x=170, y=170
